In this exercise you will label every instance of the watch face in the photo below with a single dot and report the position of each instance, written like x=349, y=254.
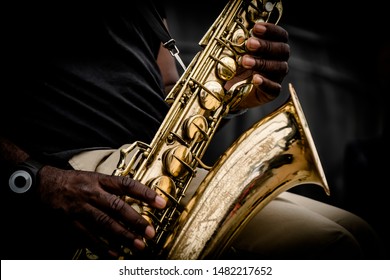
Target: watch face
x=20, y=181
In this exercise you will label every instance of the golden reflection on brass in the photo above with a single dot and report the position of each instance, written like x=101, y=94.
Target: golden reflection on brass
x=210, y=95
x=175, y=161
x=239, y=37
x=276, y=154
x=196, y=127
x=164, y=186
x=226, y=68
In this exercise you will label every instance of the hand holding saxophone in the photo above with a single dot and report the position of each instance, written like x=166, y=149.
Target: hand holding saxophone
x=93, y=202
x=265, y=62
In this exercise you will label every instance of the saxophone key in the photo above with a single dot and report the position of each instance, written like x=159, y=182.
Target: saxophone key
x=177, y=161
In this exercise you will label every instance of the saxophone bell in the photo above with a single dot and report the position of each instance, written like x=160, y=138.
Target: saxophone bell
x=274, y=155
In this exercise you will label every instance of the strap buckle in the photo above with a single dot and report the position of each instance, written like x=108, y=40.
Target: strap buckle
x=171, y=46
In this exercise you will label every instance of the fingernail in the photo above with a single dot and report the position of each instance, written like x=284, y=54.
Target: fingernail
x=259, y=28
x=113, y=254
x=252, y=44
x=150, y=232
x=257, y=80
x=139, y=244
x=248, y=61
x=160, y=202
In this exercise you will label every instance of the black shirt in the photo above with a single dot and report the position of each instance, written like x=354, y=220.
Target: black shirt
x=81, y=79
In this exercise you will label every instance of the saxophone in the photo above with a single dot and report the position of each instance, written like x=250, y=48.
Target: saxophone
x=274, y=155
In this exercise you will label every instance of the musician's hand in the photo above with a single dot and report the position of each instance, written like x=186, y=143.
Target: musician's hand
x=93, y=202
x=267, y=53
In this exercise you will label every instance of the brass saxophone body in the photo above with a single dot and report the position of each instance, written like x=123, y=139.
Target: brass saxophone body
x=274, y=155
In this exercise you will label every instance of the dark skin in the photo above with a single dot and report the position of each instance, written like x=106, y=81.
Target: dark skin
x=92, y=200
x=266, y=59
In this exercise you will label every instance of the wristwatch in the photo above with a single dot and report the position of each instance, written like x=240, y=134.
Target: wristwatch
x=24, y=177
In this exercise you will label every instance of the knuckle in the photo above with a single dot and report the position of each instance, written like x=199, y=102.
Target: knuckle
x=267, y=46
x=116, y=202
x=137, y=188
x=104, y=220
x=261, y=64
x=140, y=223
x=128, y=182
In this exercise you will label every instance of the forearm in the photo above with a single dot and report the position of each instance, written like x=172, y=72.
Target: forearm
x=10, y=153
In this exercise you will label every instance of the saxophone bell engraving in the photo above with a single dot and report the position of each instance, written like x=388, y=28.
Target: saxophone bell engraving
x=276, y=154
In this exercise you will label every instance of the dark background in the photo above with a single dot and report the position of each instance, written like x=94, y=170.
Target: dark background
x=340, y=67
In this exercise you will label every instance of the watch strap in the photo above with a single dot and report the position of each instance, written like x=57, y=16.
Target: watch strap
x=24, y=176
